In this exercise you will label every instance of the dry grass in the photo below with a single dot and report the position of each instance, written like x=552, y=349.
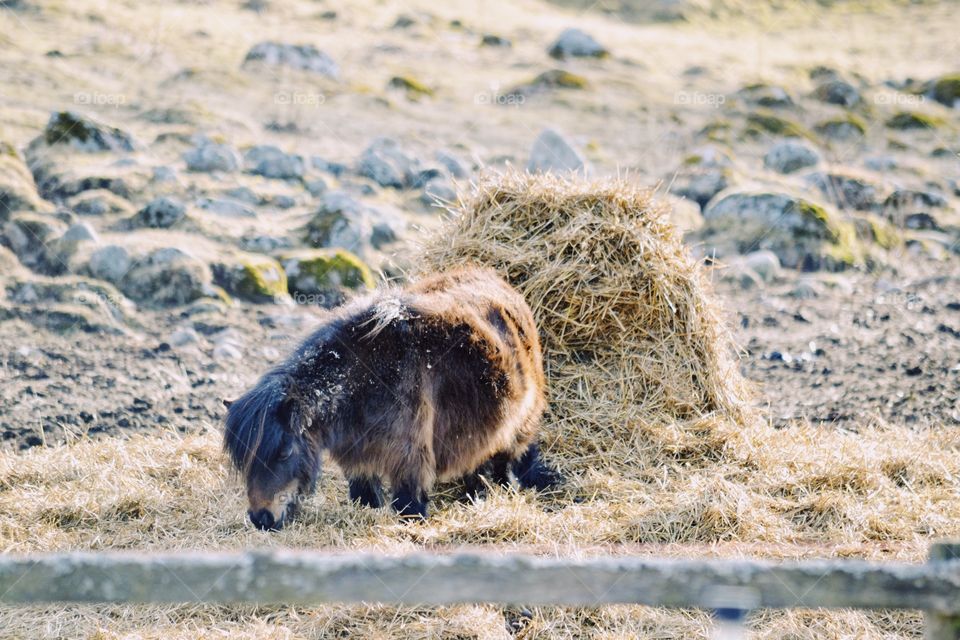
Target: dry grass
x=648, y=420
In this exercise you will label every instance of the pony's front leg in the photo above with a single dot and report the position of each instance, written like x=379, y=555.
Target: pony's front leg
x=366, y=490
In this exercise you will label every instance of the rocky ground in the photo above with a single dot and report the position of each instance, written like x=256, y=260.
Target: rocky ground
x=185, y=187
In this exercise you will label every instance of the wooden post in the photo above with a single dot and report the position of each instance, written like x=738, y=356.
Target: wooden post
x=942, y=626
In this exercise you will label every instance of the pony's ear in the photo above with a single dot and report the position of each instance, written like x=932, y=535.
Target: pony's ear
x=227, y=403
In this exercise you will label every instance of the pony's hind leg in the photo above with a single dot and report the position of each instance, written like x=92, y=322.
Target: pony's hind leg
x=410, y=500
x=532, y=471
x=366, y=490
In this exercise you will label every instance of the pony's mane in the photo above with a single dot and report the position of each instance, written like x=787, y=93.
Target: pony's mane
x=251, y=420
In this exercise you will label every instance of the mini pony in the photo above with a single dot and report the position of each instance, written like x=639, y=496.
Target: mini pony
x=440, y=380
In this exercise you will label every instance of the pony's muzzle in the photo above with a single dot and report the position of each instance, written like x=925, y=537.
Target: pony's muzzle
x=263, y=519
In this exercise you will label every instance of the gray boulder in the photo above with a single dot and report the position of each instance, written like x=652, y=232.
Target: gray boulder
x=304, y=57
x=210, y=156
x=575, y=43
x=388, y=164
x=109, y=263
x=836, y=91
x=788, y=156
x=552, y=152
x=160, y=213
x=84, y=134
x=270, y=162
x=847, y=190
x=802, y=234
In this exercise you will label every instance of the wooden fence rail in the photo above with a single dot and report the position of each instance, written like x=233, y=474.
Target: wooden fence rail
x=304, y=577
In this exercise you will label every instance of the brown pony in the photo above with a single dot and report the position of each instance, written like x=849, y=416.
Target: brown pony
x=440, y=380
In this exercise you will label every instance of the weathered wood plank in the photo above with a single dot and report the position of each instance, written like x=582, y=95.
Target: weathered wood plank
x=311, y=578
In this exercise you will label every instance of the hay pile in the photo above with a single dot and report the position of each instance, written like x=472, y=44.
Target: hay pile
x=632, y=334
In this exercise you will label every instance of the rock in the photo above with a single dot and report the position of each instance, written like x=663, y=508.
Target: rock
x=544, y=82
x=493, y=40
x=264, y=243
x=226, y=207
x=920, y=221
x=227, y=351
x=99, y=202
x=18, y=192
x=60, y=178
x=165, y=175
x=760, y=123
x=80, y=232
x=324, y=276
x=336, y=169
x=438, y=189
x=343, y=221
x=109, y=263
x=807, y=289
x=452, y=164
x=743, y=276
x=788, y=156
x=270, y=162
x=31, y=238
x=552, y=152
x=910, y=208
x=301, y=57
x=847, y=190
x=84, y=134
x=70, y=303
x=411, y=86
x=704, y=173
x=905, y=120
x=252, y=277
x=574, y=43
x=802, y=234
x=683, y=213
x=387, y=164
x=183, y=337
x=210, y=156
x=316, y=187
x=844, y=128
x=164, y=277
x=765, y=264
x=160, y=213
x=765, y=95
x=836, y=91
x=340, y=221
x=946, y=90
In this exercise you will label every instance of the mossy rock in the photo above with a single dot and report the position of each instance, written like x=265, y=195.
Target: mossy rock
x=412, y=86
x=946, y=90
x=803, y=234
x=914, y=120
x=760, y=122
x=549, y=80
x=85, y=134
x=717, y=131
x=253, y=277
x=766, y=95
x=324, y=275
x=842, y=128
x=878, y=231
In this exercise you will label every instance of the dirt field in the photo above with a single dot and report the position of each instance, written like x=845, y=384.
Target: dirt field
x=111, y=390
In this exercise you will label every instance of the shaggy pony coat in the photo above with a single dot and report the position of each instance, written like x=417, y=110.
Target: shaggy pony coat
x=428, y=383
